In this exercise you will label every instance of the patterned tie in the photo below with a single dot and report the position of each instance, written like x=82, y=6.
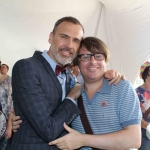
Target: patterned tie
x=59, y=69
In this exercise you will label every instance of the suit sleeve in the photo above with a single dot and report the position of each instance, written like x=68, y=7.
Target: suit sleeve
x=32, y=102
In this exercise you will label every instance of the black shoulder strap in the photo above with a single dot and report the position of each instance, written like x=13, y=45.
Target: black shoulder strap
x=84, y=118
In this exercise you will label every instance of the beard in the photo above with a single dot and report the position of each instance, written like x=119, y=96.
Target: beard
x=61, y=59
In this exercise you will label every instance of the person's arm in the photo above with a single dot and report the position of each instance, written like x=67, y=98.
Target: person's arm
x=45, y=116
x=9, y=107
x=9, y=126
x=113, y=76
x=16, y=121
x=127, y=138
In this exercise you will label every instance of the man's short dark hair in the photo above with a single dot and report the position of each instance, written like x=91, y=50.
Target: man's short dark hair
x=67, y=19
x=6, y=66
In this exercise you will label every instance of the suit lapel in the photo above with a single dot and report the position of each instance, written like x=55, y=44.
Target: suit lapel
x=50, y=72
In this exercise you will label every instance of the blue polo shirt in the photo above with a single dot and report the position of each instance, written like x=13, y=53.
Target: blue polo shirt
x=111, y=109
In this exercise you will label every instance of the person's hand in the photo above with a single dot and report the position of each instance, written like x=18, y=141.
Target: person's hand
x=15, y=122
x=73, y=140
x=75, y=91
x=76, y=70
x=144, y=124
x=113, y=76
x=8, y=132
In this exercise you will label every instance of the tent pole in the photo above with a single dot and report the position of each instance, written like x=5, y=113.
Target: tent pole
x=98, y=20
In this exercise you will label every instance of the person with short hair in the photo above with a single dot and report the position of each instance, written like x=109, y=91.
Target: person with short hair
x=143, y=92
x=7, y=105
x=4, y=69
x=113, y=112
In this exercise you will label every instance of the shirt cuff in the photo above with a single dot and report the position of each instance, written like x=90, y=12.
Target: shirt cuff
x=75, y=102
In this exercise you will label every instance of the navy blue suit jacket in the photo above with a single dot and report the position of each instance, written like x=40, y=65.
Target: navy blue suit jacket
x=37, y=98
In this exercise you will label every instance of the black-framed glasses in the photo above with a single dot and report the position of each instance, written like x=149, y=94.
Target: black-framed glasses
x=87, y=57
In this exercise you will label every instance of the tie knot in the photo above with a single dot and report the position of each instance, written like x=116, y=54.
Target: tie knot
x=59, y=69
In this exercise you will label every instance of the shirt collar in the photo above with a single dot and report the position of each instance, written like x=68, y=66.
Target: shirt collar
x=104, y=89
x=49, y=60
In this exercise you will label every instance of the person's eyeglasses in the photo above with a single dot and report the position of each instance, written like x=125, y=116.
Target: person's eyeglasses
x=87, y=57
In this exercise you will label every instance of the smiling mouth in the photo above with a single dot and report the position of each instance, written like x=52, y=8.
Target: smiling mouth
x=66, y=53
x=92, y=69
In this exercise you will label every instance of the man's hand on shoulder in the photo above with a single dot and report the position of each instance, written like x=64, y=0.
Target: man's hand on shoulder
x=113, y=76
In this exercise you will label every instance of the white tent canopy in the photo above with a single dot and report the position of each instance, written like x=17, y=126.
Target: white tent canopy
x=124, y=25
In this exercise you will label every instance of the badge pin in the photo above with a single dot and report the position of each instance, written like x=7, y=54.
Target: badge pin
x=104, y=104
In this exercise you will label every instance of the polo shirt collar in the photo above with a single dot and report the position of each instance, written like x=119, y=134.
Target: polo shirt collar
x=104, y=89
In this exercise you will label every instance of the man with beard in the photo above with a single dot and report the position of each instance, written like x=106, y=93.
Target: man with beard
x=40, y=85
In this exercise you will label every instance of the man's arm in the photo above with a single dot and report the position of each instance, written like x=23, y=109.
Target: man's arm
x=128, y=137
x=45, y=116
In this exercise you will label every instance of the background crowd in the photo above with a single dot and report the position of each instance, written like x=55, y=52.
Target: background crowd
x=6, y=103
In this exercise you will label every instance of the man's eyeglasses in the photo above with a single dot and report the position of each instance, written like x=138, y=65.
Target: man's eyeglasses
x=87, y=57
